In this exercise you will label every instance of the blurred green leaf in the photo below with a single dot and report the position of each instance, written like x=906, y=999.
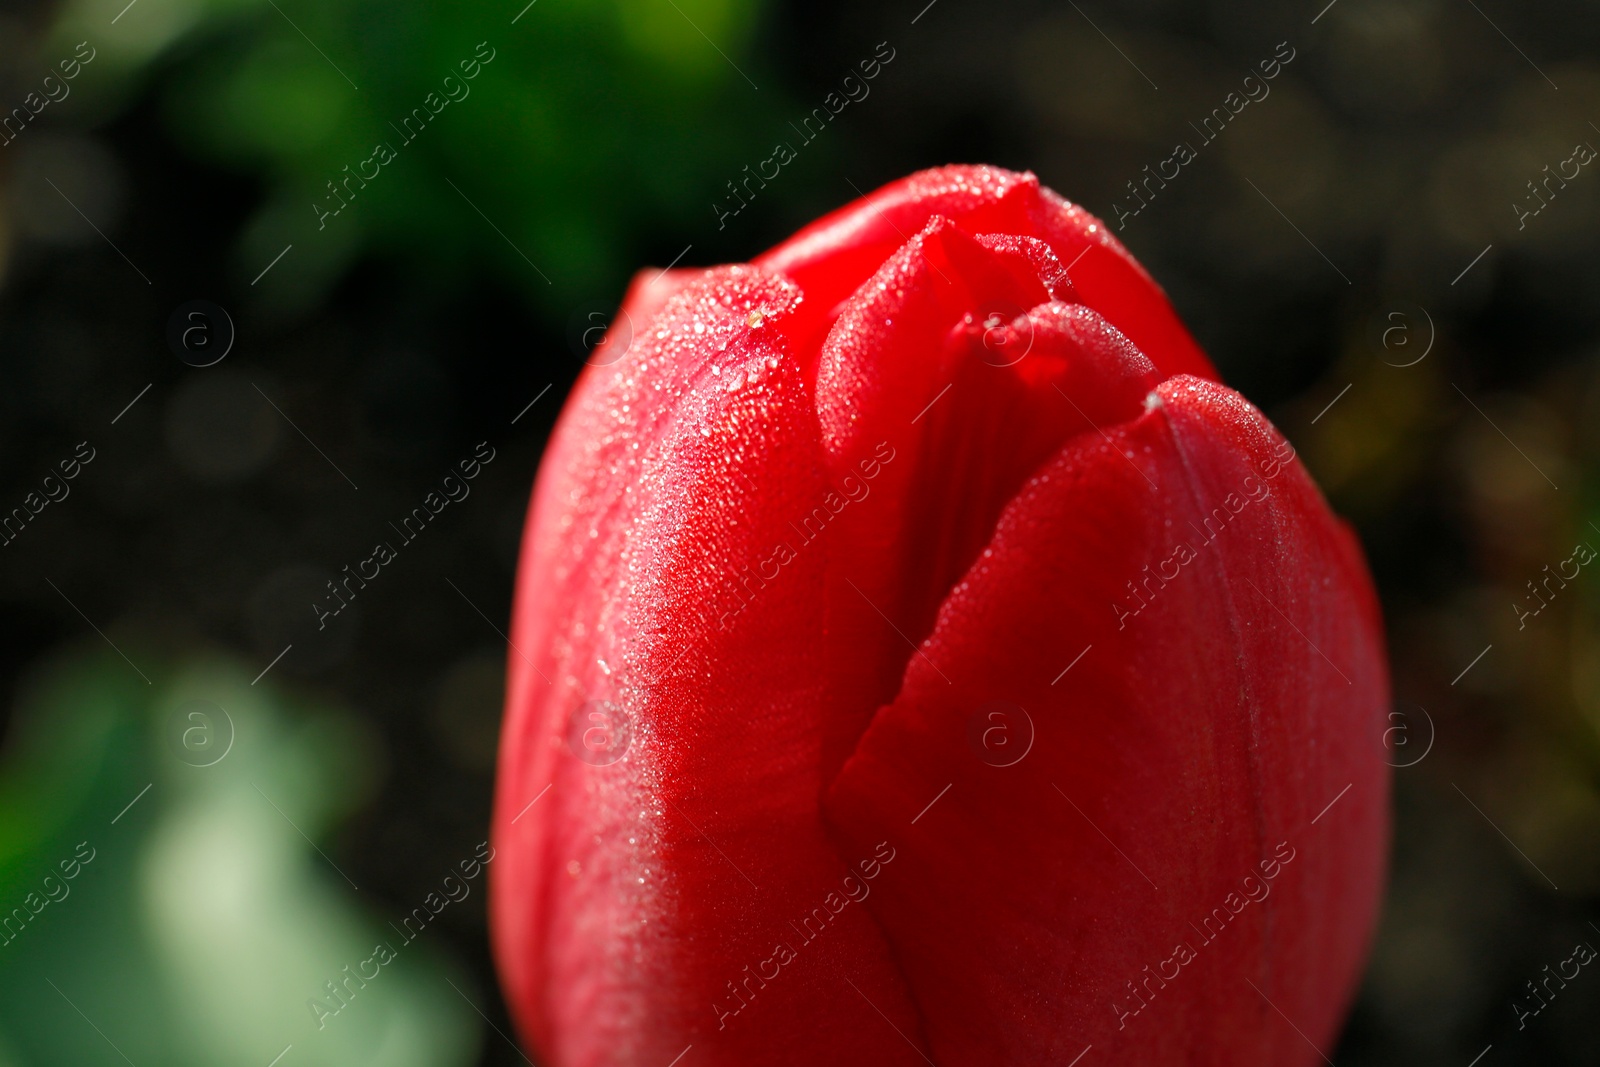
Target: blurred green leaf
x=583, y=131
x=205, y=918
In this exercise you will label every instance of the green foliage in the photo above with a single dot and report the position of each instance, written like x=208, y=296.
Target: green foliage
x=585, y=131
x=202, y=920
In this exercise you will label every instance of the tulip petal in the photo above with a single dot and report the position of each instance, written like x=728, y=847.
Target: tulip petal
x=1179, y=751
x=640, y=903
x=967, y=404
x=832, y=256
x=918, y=658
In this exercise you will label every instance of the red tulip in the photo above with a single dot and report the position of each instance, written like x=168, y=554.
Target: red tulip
x=921, y=657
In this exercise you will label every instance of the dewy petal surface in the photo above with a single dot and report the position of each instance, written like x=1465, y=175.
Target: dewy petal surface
x=634, y=897
x=830, y=257
x=803, y=522
x=1194, y=735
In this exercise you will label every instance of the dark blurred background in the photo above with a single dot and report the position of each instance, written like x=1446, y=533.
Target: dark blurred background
x=1360, y=251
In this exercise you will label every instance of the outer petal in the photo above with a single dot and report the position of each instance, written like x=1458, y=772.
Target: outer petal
x=835, y=254
x=648, y=292
x=638, y=905
x=1193, y=741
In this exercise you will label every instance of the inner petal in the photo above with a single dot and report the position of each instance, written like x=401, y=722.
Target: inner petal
x=949, y=378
